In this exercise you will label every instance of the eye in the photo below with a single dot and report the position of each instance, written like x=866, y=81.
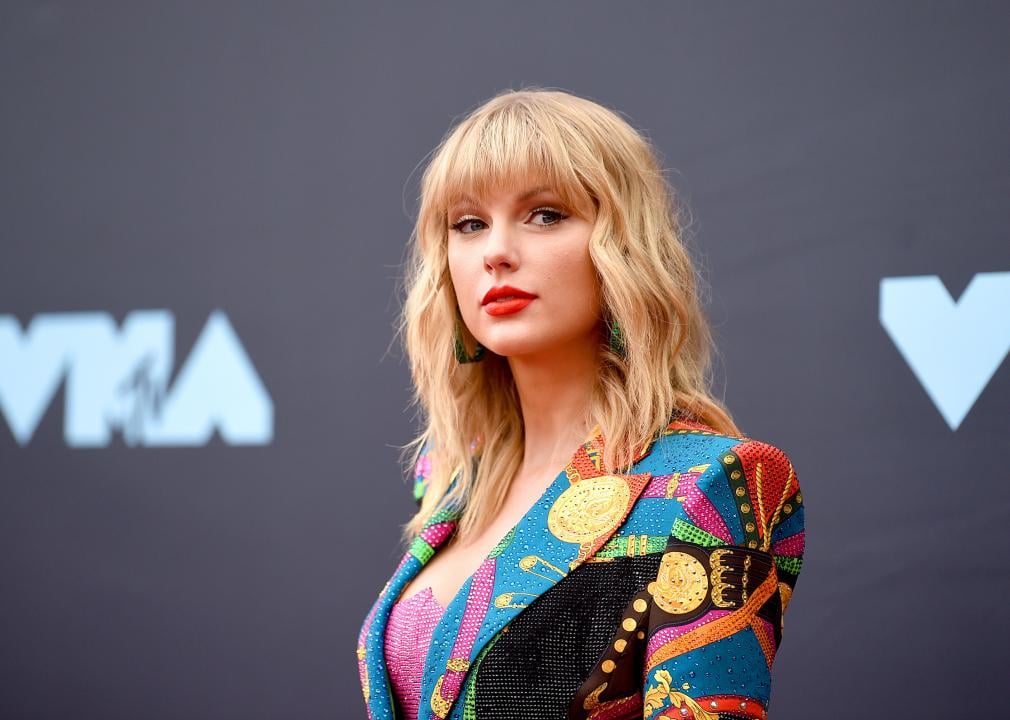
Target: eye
x=464, y=222
x=550, y=212
x=551, y=215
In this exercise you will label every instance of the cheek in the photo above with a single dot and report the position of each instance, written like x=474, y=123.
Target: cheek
x=575, y=274
x=457, y=269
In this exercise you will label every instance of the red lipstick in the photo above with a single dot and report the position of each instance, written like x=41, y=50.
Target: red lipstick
x=505, y=300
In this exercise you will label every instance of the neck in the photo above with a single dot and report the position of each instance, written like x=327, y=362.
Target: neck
x=554, y=391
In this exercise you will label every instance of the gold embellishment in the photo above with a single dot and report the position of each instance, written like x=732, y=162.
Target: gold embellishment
x=786, y=594
x=640, y=605
x=592, y=700
x=530, y=561
x=620, y=644
x=608, y=666
x=743, y=580
x=681, y=583
x=671, y=486
x=767, y=527
x=589, y=508
x=719, y=586
x=505, y=600
x=660, y=695
x=439, y=705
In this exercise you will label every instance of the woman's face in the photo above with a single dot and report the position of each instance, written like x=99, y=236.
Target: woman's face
x=529, y=241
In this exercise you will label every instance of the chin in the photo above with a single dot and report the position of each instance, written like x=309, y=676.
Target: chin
x=514, y=349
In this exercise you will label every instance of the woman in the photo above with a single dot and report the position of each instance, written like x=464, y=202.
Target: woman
x=595, y=537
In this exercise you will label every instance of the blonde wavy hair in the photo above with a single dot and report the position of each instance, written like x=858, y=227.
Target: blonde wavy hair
x=606, y=171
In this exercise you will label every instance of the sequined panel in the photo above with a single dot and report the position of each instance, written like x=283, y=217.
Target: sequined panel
x=408, y=634
x=550, y=648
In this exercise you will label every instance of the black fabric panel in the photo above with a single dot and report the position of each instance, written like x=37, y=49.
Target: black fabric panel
x=550, y=648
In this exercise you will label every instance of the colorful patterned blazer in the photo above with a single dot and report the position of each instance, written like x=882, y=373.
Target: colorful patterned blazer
x=654, y=594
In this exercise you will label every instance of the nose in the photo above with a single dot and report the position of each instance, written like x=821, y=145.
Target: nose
x=500, y=248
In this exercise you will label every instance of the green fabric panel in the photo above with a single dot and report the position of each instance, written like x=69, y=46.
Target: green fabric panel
x=421, y=550
x=683, y=530
x=789, y=564
x=618, y=546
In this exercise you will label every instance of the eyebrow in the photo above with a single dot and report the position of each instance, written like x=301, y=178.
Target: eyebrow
x=467, y=200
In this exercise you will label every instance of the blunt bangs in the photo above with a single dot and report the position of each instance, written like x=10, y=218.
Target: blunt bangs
x=510, y=149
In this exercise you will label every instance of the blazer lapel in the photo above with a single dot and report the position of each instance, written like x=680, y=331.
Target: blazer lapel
x=580, y=510
x=573, y=518
x=372, y=668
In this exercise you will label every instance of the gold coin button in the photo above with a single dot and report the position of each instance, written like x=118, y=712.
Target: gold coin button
x=641, y=605
x=681, y=583
x=588, y=509
x=629, y=624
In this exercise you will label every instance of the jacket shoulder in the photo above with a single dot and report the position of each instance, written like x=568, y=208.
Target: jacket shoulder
x=724, y=489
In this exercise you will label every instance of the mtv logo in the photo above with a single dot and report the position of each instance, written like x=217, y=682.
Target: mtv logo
x=117, y=379
x=954, y=348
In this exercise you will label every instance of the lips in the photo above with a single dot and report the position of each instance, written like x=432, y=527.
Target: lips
x=504, y=293
x=506, y=307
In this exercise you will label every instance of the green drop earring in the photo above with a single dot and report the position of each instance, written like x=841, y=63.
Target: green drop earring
x=617, y=338
x=459, y=348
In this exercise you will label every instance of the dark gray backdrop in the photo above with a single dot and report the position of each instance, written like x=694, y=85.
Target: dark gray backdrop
x=261, y=159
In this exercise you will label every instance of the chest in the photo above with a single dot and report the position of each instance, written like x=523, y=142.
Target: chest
x=459, y=559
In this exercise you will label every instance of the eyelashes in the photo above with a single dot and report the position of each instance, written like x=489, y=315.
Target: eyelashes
x=552, y=211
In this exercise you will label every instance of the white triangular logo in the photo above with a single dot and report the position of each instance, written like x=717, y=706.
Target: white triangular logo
x=954, y=348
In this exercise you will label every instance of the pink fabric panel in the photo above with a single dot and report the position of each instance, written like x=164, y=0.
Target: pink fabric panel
x=665, y=635
x=408, y=635
x=791, y=546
